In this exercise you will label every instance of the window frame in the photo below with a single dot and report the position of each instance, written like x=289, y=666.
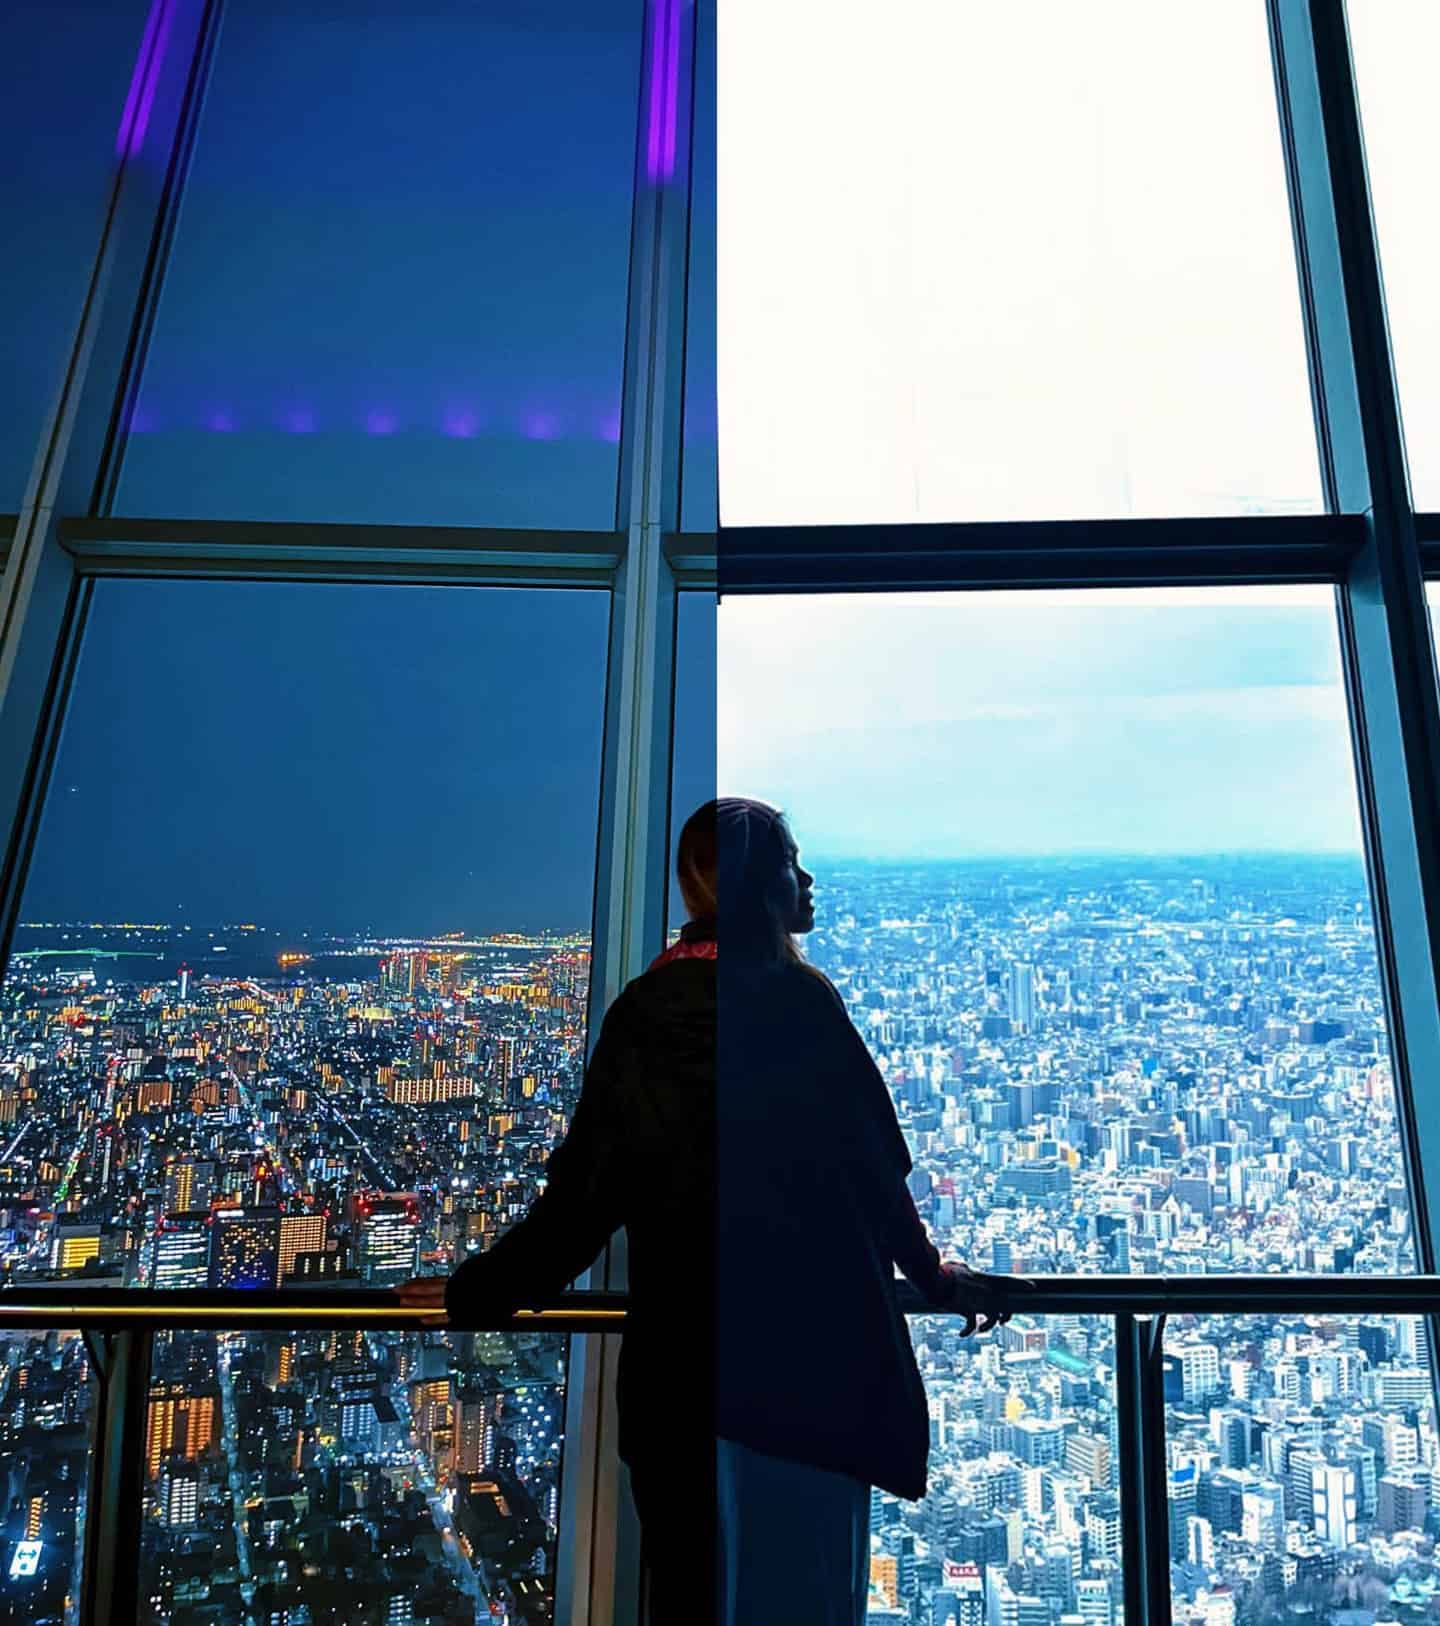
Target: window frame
x=1370, y=543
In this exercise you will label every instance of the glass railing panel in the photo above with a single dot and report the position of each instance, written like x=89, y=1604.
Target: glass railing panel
x=1301, y=1469
x=48, y=1414
x=357, y=1477
x=1021, y=1522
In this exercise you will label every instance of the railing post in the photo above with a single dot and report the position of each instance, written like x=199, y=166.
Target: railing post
x=1144, y=1502
x=110, y=1591
x=1129, y=1430
x=1154, y=1472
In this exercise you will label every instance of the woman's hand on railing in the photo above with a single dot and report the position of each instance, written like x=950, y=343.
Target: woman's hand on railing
x=987, y=1300
x=423, y=1293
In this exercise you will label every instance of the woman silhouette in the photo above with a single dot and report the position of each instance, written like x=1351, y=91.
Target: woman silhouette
x=640, y=1152
x=818, y=1395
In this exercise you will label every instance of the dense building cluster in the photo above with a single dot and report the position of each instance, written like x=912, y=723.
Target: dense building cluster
x=1100, y=1066
x=1132, y=1066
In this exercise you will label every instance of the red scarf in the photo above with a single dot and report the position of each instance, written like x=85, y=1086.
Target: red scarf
x=681, y=950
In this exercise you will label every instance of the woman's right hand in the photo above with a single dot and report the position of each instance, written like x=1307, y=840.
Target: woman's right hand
x=987, y=1300
x=423, y=1293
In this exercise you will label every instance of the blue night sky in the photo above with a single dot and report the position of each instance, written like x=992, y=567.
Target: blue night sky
x=314, y=756
x=396, y=295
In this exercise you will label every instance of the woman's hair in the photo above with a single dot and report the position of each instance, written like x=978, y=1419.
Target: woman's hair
x=754, y=842
x=696, y=863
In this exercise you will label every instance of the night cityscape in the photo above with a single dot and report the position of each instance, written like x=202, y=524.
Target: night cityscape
x=1173, y=1065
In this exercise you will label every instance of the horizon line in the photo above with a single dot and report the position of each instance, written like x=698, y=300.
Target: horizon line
x=991, y=859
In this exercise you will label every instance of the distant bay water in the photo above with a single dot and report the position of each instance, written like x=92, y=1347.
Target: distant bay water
x=130, y=954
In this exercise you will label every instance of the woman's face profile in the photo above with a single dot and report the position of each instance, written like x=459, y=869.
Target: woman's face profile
x=794, y=890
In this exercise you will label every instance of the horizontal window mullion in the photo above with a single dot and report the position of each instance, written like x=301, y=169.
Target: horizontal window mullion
x=1046, y=554
x=236, y=550
x=692, y=558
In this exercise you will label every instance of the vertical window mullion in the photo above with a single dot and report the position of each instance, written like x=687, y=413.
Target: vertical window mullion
x=1389, y=665
x=601, y=1586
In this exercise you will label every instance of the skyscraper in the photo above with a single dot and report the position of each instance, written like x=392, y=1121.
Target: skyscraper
x=299, y=1233
x=1332, y=1488
x=245, y=1247
x=75, y=1244
x=179, y=1423
x=189, y=1184
x=1022, y=995
x=388, y=1234
x=182, y=1250
x=1199, y=1370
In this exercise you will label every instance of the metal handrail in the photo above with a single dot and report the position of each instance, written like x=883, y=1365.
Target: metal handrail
x=1217, y=1295
x=109, y=1309
x=114, y=1309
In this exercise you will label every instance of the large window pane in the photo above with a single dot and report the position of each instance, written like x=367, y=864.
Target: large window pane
x=692, y=767
x=398, y=287
x=1394, y=43
x=72, y=92
x=1301, y=1451
x=311, y=1009
x=1089, y=880
x=301, y=988
x=1005, y=262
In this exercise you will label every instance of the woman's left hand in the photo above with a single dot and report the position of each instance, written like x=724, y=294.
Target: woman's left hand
x=423, y=1293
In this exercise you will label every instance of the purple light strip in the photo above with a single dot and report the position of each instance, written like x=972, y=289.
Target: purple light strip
x=455, y=420
x=664, y=85
x=140, y=98
x=672, y=86
x=137, y=78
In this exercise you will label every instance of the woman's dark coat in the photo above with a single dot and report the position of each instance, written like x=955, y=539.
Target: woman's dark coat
x=779, y=1327
x=813, y=1354
x=640, y=1153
